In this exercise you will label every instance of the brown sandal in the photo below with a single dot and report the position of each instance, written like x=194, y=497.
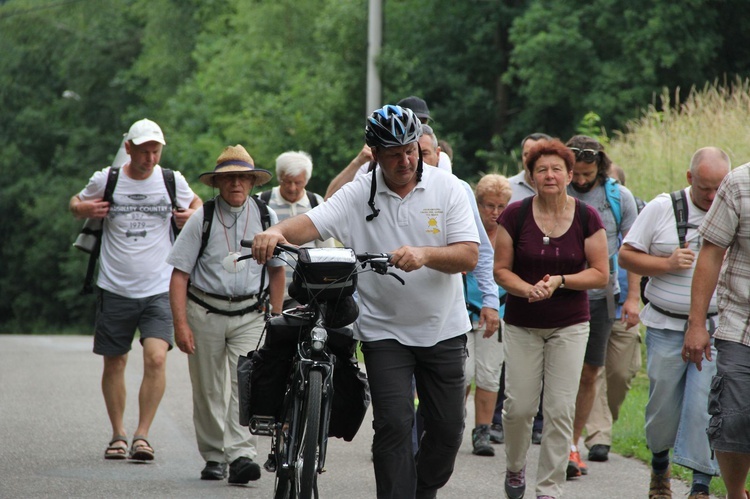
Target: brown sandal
x=117, y=451
x=141, y=451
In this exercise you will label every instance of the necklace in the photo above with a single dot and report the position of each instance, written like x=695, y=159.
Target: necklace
x=545, y=239
x=230, y=262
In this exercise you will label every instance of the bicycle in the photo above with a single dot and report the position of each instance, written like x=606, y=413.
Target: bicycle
x=324, y=279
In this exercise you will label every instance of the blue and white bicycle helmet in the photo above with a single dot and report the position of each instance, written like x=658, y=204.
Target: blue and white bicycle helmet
x=392, y=126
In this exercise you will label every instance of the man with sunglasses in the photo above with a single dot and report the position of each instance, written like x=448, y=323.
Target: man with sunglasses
x=618, y=210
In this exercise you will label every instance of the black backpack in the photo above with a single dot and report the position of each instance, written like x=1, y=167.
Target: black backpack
x=109, y=189
x=680, y=207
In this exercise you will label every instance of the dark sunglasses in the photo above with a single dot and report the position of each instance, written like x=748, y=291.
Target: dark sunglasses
x=585, y=155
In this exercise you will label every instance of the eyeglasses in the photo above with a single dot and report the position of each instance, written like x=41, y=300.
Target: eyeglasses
x=585, y=155
x=492, y=207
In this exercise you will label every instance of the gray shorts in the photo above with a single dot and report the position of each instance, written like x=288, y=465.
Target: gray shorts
x=118, y=317
x=729, y=399
x=600, y=329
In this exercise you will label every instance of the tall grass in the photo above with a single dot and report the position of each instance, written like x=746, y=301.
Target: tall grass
x=655, y=150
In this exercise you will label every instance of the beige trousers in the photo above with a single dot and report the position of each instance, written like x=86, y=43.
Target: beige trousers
x=613, y=383
x=533, y=355
x=219, y=341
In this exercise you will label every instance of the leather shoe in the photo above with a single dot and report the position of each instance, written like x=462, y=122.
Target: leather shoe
x=599, y=452
x=214, y=471
x=243, y=470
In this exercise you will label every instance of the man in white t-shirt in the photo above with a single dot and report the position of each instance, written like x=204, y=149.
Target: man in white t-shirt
x=422, y=216
x=676, y=415
x=134, y=277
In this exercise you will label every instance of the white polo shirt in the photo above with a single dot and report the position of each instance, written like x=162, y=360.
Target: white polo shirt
x=430, y=308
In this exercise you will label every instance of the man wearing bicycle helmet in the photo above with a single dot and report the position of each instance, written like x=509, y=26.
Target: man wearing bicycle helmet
x=423, y=217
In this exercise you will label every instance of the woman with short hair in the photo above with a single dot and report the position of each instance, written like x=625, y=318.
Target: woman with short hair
x=550, y=249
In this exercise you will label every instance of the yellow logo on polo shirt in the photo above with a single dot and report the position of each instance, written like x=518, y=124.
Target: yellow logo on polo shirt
x=432, y=215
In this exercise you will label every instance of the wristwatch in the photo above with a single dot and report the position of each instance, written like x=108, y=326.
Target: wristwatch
x=562, y=283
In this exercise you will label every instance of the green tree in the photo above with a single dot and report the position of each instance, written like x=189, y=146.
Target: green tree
x=607, y=56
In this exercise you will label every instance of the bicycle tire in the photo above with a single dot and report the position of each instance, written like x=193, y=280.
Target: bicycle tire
x=282, y=487
x=306, y=463
x=284, y=483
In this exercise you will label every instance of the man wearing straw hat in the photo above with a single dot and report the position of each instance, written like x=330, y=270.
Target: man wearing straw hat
x=133, y=278
x=218, y=313
x=218, y=310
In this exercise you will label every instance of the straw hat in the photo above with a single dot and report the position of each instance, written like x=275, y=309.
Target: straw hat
x=235, y=159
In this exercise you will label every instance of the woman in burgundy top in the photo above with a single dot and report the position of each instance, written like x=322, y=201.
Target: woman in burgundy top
x=549, y=250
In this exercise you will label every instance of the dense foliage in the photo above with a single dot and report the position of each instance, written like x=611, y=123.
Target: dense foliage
x=287, y=75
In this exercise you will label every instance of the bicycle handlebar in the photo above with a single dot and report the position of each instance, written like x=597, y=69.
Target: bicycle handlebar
x=379, y=262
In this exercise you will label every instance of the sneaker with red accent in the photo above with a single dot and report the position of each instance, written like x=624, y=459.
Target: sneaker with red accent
x=576, y=466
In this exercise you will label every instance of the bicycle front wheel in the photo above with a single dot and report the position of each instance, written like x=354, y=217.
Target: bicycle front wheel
x=307, y=458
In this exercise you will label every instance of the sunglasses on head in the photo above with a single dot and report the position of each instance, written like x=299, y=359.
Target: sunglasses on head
x=585, y=155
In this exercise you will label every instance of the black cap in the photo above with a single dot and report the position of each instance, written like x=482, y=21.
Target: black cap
x=417, y=105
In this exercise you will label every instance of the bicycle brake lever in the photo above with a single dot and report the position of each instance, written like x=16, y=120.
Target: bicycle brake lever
x=397, y=277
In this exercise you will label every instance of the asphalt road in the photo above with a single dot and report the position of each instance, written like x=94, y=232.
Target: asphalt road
x=54, y=428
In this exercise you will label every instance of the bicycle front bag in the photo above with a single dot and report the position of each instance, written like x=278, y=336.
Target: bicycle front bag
x=324, y=274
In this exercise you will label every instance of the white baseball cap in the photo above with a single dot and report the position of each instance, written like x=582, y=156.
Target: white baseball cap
x=145, y=131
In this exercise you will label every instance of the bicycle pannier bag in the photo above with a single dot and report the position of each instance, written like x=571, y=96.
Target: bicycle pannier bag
x=261, y=383
x=351, y=398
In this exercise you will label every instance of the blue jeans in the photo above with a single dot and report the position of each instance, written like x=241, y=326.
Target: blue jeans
x=677, y=408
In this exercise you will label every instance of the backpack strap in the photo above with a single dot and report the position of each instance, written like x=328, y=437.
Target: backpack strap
x=680, y=207
x=109, y=189
x=169, y=183
x=265, y=223
x=208, y=220
x=265, y=196
x=313, y=199
x=265, y=217
x=523, y=212
x=612, y=191
x=583, y=217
